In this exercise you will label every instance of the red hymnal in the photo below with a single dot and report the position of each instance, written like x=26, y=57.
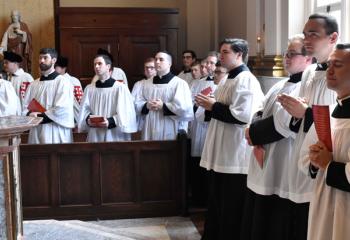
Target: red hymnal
x=322, y=125
x=35, y=106
x=96, y=119
x=259, y=154
x=206, y=91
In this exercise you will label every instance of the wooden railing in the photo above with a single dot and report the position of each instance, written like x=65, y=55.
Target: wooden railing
x=104, y=180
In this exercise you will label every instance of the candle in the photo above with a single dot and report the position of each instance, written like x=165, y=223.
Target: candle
x=258, y=40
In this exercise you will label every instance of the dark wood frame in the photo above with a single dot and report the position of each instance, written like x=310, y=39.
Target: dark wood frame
x=45, y=172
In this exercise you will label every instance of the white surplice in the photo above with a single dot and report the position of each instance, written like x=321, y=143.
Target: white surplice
x=56, y=96
x=9, y=101
x=177, y=97
x=117, y=74
x=329, y=213
x=186, y=76
x=198, y=128
x=271, y=179
x=78, y=94
x=225, y=148
x=115, y=101
x=20, y=81
x=135, y=90
x=313, y=88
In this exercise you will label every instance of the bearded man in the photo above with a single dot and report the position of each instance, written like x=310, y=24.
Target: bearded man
x=50, y=97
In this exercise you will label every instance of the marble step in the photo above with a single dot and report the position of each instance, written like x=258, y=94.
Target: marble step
x=169, y=228
x=62, y=230
x=134, y=232
x=178, y=228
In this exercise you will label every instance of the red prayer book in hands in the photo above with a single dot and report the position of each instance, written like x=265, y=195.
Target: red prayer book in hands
x=96, y=119
x=35, y=106
x=259, y=154
x=206, y=91
x=322, y=125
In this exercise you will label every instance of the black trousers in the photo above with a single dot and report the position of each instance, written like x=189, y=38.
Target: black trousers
x=225, y=206
x=198, y=183
x=273, y=218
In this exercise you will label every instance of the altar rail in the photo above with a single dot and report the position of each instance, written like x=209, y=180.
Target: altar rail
x=104, y=180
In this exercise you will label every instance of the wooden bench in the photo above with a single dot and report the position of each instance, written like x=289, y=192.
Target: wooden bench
x=104, y=180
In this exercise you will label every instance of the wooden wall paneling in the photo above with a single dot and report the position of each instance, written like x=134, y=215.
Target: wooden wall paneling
x=35, y=178
x=137, y=46
x=54, y=179
x=96, y=179
x=83, y=46
x=131, y=34
x=120, y=18
x=75, y=179
x=118, y=177
x=156, y=178
x=102, y=180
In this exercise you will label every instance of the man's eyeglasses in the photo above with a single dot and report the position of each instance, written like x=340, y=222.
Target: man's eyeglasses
x=292, y=54
x=149, y=68
x=187, y=57
x=219, y=72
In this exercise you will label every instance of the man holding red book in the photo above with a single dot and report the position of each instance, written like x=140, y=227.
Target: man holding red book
x=107, y=108
x=50, y=97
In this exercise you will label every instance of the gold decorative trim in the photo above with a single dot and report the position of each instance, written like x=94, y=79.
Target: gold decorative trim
x=271, y=65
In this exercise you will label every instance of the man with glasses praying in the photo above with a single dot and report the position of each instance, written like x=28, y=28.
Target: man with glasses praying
x=294, y=116
x=267, y=183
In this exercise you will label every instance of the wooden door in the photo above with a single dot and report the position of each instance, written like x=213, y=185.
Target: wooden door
x=131, y=36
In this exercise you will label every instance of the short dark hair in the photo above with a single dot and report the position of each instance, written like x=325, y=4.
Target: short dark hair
x=237, y=45
x=193, y=54
x=105, y=57
x=343, y=46
x=330, y=23
x=51, y=51
x=168, y=54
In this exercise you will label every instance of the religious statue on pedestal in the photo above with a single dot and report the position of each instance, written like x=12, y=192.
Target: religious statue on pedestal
x=18, y=39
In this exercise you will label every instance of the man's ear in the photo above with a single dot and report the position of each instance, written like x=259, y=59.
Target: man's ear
x=334, y=37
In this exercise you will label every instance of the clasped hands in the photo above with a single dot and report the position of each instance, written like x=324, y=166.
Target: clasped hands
x=319, y=155
x=155, y=105
x=204, y=101
x=295, y=106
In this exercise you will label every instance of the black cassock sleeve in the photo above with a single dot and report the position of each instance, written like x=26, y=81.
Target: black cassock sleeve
x=263, y=131
x=336, y=176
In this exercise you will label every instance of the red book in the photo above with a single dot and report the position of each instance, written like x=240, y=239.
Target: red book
x=96, y=119
x=35, y=106
x=322, y=125
x=259, y=154
x=206, y=91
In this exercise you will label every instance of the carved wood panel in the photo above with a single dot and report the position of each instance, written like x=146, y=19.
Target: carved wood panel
x=131, y=35
x=103, y=180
